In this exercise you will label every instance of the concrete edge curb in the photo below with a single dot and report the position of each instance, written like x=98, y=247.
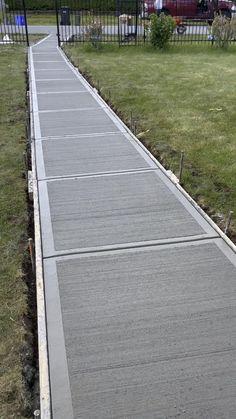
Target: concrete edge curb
x=165, y=172
x=45, y=399
x=42, y=40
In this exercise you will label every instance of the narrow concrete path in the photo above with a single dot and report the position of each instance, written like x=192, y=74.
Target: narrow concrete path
x=140, y=288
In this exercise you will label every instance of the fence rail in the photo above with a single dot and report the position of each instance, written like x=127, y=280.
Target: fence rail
x=13, y=23
x=127, y=21
x=90, y=21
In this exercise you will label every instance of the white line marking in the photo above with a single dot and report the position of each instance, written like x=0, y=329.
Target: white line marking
x=69, y=110
x=50, y=69
x=130, y=246
x=95, y=134
x=97, y=174
x=45, y=53
x=63, y=92
x=42, y=61
x=56, y=79
x=42, y=40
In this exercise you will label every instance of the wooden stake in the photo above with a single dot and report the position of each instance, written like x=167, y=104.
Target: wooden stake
x=131, y=120
x=181, y=163
x=25, y=160
x=228, y=222
x=31, y=252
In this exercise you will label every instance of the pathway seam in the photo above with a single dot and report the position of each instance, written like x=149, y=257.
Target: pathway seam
x=134, y=245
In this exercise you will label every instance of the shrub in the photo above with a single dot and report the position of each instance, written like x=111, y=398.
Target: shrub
x=162, y=28
x=93, y=32
x=233, y=27
x=223, y=30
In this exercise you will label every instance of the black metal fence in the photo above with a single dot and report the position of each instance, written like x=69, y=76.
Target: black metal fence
x=98, y=21
x=13, y=23
x=127, y=21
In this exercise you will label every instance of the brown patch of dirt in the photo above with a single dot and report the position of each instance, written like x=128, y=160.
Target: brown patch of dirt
x=29, y=353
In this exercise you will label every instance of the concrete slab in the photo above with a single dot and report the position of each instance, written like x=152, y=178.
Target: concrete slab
x=45, y=47
x=67, y=100
x=148, y=333
x=53, y=56
x=89, y=155
x=114, y=211
x=76, y=122
x=45, y=86
x=50, y=65
x=55, y=75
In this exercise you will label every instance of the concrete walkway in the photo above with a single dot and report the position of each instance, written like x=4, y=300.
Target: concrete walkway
x=140, y=288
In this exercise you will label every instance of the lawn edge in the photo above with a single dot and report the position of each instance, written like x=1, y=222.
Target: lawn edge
x=44, y=385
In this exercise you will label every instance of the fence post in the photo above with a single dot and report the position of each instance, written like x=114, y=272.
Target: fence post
x=228, y=222
x=58, y=27
x=181, y=167
x=136, y=22
x=26, y=24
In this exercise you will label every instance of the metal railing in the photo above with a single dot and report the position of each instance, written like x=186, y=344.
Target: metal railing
x=13, y=23
x=100, y=21
x=127, y=21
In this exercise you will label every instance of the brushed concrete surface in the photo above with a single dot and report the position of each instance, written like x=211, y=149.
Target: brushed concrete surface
x=45, y=86
x=68, y=100
x=46, y=47
x=45, y=57
x=51, y=64
x=84, y=155
x=76, y=122
x=149, y=333
x=109, y=210
x=66, y=73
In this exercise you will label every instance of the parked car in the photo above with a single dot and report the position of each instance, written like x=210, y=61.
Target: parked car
x=191, y=9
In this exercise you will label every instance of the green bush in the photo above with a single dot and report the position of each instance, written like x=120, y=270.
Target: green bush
x=223, y=30
x=93, y=32
x=161, y=28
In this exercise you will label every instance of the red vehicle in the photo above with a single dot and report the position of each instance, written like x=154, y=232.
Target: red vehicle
x=191, y=9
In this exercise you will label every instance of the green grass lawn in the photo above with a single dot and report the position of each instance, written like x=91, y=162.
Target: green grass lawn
x=33, y=39
x=185, y=99
x=41, y=19
x=13, y=227
x=14, y=311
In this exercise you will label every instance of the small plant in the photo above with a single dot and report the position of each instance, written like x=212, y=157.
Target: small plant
x=233, y=27
x=223, y=31
x=93, y=32
x=162, y=28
